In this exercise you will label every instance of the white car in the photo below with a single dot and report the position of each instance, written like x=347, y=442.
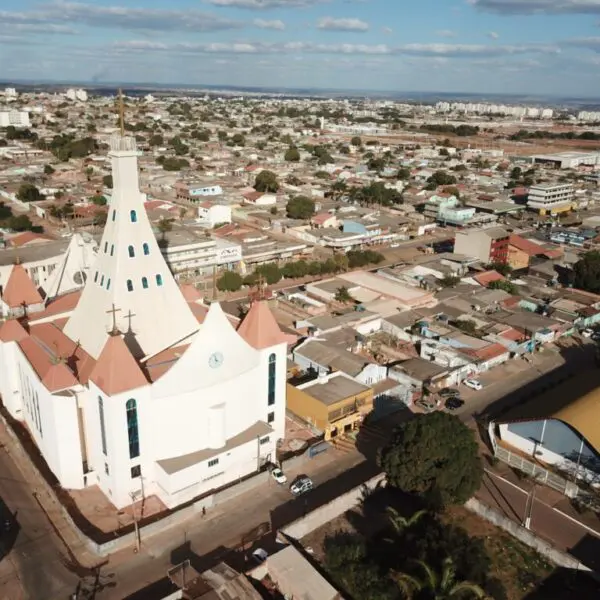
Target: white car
x=278, y=475
x=474, y=384
x=587, y=333
x=260, y=555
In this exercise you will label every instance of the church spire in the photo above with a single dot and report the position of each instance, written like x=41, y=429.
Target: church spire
x=130, y=273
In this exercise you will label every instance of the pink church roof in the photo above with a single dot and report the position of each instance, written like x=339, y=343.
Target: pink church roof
x=20, y=289
x=116, y=370
x=260, y=329
x=12, y=331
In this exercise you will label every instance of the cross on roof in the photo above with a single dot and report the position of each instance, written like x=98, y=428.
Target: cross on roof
x=114, y=312
x=129, y=316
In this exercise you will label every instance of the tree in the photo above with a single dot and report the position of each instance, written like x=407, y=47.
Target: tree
x=292, y=154
x=98, y=199
x=515, y=173
x=156, y=140
x=342, y=295
x=48, y=170
x=442, y=178
x=449, y=281
x=300, y=207
x=403, y=173
x=164, y=226
x=438, y=586
x=400, y=523
x=238, y=139
x=586, y=272
x=502, y=268
x=270, y=272
x=107, y=181
x=356, y=141
x=29, y=193
x=230, y=281
x=505, y=285
x=433, y=455
x=20, y=223
x=266, y=181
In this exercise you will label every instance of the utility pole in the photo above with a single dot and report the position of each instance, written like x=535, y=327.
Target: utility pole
x=135, y=523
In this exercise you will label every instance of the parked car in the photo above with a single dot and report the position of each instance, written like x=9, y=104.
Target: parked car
x=596, y=336
x=260, y=555
x=426, y=405
x=474, y=384
x=278, y=475
x=301, y=485
x=454, y=402
x=448, y=392
x=587, y=333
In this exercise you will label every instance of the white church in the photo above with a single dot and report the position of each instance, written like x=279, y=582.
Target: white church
x=132, y=383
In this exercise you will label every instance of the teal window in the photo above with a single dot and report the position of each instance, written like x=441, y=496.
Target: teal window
x=114, y=214
x=102, y=424
x=271, y=383
x=129, y=285
x=146, y=249
x=132, y=429
x=108, y=285
x=105, y=247
x=159, y=280
x=145, y=283
x=96, y=277
x=112, y=249
x=133, y=216
x=131, y=251
x=102, y=280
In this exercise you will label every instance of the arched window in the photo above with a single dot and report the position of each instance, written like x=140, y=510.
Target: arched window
x=114, y=215
x=159, y=280
x=129, y=285
x=105, y=247
x=133, y=216
x=145, y=283
x=271, y=390
x=102, y=280
x=131, y=251
x=102, y=425
x=95, y=276
x=132, y=429
x=146, y=249
x=108, y=285
x=112, y=249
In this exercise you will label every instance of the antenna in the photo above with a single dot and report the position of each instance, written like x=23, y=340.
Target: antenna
x=121, y=113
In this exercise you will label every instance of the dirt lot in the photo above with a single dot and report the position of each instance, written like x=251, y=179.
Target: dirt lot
x=518, y=567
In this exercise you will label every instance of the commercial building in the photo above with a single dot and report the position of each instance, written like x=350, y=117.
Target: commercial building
x=488, y=245
x=196, y=192
x=14, y=118
x=213, y=213
x=550, y=198
x=567, y=160
x=335, y=403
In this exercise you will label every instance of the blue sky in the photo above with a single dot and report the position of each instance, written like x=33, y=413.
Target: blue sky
x=486, y=46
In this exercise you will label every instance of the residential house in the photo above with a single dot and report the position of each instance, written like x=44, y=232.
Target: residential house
x=489, y=245
x=211, y=214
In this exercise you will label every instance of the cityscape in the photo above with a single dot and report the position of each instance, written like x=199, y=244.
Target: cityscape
x=269, y=330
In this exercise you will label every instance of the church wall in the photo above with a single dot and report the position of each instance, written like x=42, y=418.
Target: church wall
x=52, y=423
x=278, y=424
x=9, y=384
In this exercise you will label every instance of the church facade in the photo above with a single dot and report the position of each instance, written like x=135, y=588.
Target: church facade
x=133, y=383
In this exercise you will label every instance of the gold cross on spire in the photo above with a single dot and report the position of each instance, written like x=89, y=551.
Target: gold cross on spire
x=114, y=312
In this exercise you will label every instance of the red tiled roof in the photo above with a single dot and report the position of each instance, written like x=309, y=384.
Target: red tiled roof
x=260, y=329
x=491, y=351
x=12, y=331
x=58, y=306
x=20, y=289
x=27, y=237
x=116, y=370
x=487, y=277
x=527, y=246
x=190, y=292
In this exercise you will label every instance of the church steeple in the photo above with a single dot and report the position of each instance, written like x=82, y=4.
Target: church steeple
x=130, y=273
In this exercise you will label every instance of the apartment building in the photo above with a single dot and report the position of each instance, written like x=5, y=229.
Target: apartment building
x=551, y=199
x=487, y=245
x=16, y=118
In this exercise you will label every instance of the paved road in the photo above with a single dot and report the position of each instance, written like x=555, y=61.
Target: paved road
x=561, y=531
x=34, y=567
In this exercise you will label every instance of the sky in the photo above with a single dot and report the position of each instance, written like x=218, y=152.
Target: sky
x=541, y=47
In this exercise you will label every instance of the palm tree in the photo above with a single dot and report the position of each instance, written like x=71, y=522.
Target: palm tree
x=400, y=523
x=437, y=586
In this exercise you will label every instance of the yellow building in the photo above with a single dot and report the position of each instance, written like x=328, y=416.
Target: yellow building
x=333, y=403
x=517, y=258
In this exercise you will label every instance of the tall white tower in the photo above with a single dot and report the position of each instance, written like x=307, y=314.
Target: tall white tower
x=130, y=278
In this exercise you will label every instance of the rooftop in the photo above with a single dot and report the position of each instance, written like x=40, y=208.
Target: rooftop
x=335, y=388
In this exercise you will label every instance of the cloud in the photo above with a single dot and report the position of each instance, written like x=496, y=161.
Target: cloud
x=590, y=43
x=531, y=7
x=445, y=33
x=59, y=12
x=41, y=28
x=493, y=35
x=266, y=4
x=347, y=24
x=274, y=24
x=416, y=50
x=387, y=30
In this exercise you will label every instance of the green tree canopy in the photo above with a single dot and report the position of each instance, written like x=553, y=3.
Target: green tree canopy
x=433, y=455
x=300, y=207
x=403, y=173
x=586, y=272
x=230, y=281
x=356, y=141
x=48, y=169
x=266, y=181
x=342, y=295
x=292, y=154
x=29, y=193
x=98, y=199
x=442, y=178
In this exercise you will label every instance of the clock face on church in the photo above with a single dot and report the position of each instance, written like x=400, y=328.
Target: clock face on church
x=215, y=360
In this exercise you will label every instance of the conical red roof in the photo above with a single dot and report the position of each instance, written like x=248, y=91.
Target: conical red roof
x=20, y=289
x=260, y=329
x=116, y=370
